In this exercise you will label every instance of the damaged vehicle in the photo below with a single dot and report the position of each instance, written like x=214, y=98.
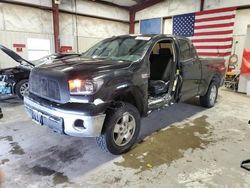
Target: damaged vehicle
x=15, y=80
x=106, y=91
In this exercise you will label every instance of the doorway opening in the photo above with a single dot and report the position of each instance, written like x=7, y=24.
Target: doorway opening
x=162, y=73
x=37, y=48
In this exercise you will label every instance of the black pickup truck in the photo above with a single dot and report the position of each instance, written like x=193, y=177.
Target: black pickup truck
x=104, y=92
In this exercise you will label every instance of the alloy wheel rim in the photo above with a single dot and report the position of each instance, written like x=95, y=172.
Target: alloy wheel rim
x=124, y=129
x=24, y=88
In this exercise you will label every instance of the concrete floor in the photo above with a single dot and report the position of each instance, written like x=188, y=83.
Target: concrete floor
x=193, y=147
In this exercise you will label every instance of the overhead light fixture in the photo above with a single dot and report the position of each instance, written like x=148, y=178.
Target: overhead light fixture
x=57, y=2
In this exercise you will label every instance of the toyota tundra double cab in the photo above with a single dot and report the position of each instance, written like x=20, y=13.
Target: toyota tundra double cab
x=104, y=92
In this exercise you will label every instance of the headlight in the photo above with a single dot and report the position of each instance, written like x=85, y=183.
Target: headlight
x=84, y=87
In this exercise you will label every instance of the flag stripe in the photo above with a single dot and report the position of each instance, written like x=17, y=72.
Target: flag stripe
x=214, y=33
x=214, y=26
x=214, y=18
x=215, y=15
x=216, y=11
x=213, y=29
x=214, y=54
x=212, y=37
x=214, y=50
x=214, y=47
x=214, y=22
x=212, y=43
x=213, y=40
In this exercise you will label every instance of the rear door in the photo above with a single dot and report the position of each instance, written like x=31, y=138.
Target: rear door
x=190, y=69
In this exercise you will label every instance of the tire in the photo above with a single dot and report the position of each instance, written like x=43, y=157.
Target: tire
x=22, y=88
x=209, y=99
x=120, y=123
x=1, y=113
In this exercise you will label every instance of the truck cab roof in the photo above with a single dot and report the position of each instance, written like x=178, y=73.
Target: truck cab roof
x=153, y=36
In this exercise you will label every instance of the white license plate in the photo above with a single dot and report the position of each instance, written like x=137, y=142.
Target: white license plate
x=37, y=117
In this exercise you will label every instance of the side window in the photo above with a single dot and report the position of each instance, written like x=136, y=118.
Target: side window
x=185, y=51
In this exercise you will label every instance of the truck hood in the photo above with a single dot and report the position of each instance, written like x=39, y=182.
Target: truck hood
x=85, y=66
x=14, y=55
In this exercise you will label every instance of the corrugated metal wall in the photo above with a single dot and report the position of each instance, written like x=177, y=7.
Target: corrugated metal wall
x=18, y=23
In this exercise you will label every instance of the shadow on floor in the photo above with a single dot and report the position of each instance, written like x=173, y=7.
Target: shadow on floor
x=159, y=119
x=10, y=101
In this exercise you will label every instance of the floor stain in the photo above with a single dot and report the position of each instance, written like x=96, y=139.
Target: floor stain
x=3, y=161
x=16, y=149
x=168, y=145
x=58, y=178
x=69, y=154
x=117, y=179
x=42, y=171
x=7, y=138
x=54, y=155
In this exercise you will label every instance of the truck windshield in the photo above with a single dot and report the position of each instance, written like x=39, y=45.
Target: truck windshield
x=119, y=48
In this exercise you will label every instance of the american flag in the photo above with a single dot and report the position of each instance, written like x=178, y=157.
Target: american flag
x=211, y=31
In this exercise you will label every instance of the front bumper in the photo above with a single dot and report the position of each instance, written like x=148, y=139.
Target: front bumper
x=65, y=121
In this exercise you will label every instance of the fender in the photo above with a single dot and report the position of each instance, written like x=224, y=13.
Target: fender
x=214, y=77
x=132, y=94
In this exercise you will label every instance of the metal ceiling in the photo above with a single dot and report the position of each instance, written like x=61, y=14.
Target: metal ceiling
x=125, y=3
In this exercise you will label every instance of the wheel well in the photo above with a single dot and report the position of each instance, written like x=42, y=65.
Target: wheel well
x=216, y=79
x=17, y=83
x=131, y=99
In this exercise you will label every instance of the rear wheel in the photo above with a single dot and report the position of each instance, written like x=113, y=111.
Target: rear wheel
x=209, y=99
x=22, y=87
x=121, y=129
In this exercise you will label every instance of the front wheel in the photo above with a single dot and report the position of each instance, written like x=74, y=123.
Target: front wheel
x=121, y=129
x=209, y=99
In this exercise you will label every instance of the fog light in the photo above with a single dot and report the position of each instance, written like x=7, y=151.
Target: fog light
x=79, y=124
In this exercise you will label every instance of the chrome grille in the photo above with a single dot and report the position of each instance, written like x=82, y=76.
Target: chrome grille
x=45, y=87
x=51, y=85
